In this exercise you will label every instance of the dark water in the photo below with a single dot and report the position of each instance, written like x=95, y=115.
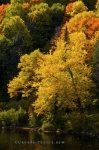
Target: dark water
x=29, y=140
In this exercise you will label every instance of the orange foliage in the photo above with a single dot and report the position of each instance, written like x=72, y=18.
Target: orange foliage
x=93, y=26
x=69, y=7
x=3, y=8
x=86, y=22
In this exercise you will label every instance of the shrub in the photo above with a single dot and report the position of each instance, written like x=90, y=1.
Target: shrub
x=8, y=118
x=13, y=117
x=82, y=122
x=47, y=126
x=32, y=120
x=74, y=122
x=22, y=117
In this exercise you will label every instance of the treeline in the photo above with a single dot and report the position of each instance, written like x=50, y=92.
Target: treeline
x=54, y=86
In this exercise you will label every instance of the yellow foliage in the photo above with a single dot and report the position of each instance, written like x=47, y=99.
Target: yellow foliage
x=61, y=78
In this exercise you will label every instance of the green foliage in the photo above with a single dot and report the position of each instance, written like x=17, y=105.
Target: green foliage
x=56, y=118
x=15, y=41
x=51, y=2
x=90, y=3
x=15, y=10
x=13, y=117
x=32, y=120
x=5, y=43
x=91, y=122
x=18, y=1
x=74, y=122
x=15, y=104
x=82, y=122
x=57, y=11
x=16, y=31
x=22, y=117
x=41, y=22
x=8, y=118
x=47, y=126
x=23, y=36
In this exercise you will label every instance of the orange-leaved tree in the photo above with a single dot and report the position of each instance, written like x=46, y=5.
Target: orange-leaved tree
x=86, y=22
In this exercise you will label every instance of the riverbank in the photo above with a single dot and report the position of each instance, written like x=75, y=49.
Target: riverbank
x=19, y=128
x=76, y=133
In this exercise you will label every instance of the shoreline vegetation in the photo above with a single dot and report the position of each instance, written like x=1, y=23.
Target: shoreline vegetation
x=75, y=133
x=49, y=66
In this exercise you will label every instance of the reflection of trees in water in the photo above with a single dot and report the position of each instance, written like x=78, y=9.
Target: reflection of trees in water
x=9, y=136
x=34, y=136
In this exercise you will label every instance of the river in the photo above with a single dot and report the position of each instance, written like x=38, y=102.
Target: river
x=11, y=139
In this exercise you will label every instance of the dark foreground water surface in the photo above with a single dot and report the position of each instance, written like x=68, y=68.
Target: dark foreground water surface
x=29, y=140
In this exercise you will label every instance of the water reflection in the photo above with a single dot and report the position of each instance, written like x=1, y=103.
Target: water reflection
x=29, y=140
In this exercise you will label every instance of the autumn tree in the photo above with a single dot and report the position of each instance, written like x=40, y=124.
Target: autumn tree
x=86, y=22
x=61, y=80
x=24, y=83
x=63, y=75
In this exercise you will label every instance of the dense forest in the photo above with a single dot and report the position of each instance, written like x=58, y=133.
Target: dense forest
x=49, y=64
